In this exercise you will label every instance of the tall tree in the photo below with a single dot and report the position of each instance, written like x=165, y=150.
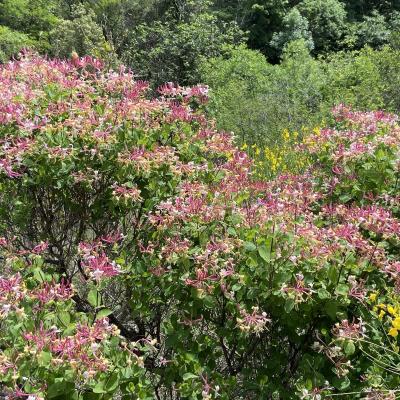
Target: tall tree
x=327, y=20
x=295, y=27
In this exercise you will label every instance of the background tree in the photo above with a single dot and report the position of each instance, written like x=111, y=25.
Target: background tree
x=357, y=9
x=273, y=98
x=168, y=51
x=11, y=42
x=32, y=17
x=295, y=27
x=327, y=22
x=80, y=34
x=374, y=30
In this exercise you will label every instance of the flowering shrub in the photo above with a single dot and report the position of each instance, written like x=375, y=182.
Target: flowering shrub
x=141, y=257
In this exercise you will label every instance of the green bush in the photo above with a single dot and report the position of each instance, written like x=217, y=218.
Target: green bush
x=300, y=91
x=80, y=34
x=167, y=51
x=257, y=100
x=12, y=42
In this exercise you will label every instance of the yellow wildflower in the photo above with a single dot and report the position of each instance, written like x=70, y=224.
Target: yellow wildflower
x=393, y=332
x=391, y=310
x=286, y=135
x=373, y=296
x=396, y=323
x=381, y=314
x=317, y=131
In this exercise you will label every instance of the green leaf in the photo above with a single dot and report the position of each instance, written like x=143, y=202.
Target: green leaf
x=99, y=388
x=331, y=308
x=231, y=231
x=250, y=246
x=341, y=383
x=44, y=358
x=349, y=348
x=189, y=375
x=289, y=304
x=112, y=383
x=264, y=253
x=94, y=297
x=323, y=294
x=236, y=287
x=64, y=317
x=342, y=289
x=333, y=274
x=39, y=275
x=55, y=389
x=344, y=198
x=103, y=313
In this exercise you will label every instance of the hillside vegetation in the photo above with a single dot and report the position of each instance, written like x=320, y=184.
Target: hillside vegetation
x=143, y=256
x=199, y=199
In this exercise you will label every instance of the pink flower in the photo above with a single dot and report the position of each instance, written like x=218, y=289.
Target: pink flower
x=53, y=292
x=40, y=248
x=6, y=166
x=127, y=193
x=254, y=322
x=347, y=330
x=101, y=267
x=203, y=279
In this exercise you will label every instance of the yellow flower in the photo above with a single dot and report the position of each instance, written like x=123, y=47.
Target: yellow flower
x=391, y=310
x=244, y=147
x=396, y=323
x=317, y=131
x=286, y=135
x=393, y=332
x=381, y=305
x=381, y=314
x=373, y=296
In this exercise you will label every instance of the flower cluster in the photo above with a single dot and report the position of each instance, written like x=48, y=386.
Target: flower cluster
x=82, y=351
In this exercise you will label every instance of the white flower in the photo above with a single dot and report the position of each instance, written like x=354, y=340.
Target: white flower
x=97, y=274
x=94, y=347
x=6, y=308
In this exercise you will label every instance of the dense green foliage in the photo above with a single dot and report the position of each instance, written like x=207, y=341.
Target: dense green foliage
x=300, y=91
x=12, y=42
x=166, y=31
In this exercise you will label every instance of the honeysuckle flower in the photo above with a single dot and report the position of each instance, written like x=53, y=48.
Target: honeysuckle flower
x=101, y=266
x=348, y=330
x=131, y=193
